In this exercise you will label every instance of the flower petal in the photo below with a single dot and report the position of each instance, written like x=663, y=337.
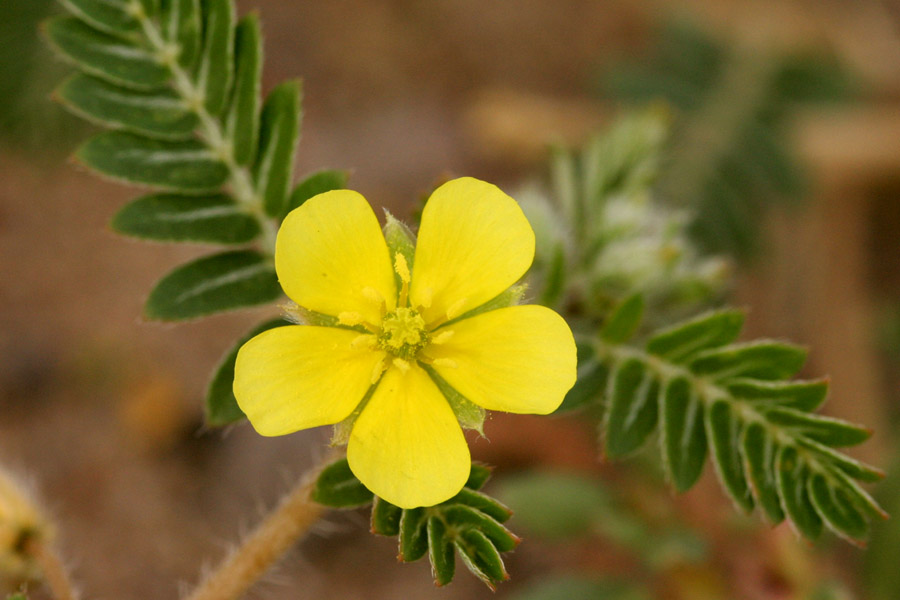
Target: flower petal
x=296, y=377
x=407, y=446
x=517, y=359
x=474, y=242
x=329, y=250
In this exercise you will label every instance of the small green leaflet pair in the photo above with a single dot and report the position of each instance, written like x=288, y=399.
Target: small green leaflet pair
x=176, y=83
x=705, y=394
x=470, y=524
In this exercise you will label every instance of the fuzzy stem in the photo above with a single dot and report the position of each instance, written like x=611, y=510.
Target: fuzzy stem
x=55, y=574
x=278, y=531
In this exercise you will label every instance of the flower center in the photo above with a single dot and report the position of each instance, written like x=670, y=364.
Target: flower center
x=403, y=333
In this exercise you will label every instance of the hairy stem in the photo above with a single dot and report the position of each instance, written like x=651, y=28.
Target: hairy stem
x=278, y=531
x=55, y=574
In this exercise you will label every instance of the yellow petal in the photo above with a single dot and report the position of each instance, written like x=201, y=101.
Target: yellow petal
x=407, y=446
x=518, y=359
x=296, y=377
x=329, y=251
x=474, y=243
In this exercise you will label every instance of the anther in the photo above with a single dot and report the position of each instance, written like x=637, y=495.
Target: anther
x=456, y=309
x=364, y=341
x=350, y=318
x=445, y=362
x=401, y=364
x=380, y=367
x=375, y=297
x=442, y=337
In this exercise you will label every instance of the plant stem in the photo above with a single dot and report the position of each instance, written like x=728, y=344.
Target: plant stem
x=278, y=531
x=55, y=574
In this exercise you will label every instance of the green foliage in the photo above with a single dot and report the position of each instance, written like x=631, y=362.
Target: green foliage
x=469, y=525
x=572, y=587
x=728, y=158
x=707, y=396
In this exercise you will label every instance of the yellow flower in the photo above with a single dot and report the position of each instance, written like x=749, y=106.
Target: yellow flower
x=395, y=325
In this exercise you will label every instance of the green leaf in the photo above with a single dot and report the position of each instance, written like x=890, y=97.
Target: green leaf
x=385, y=518
x=632, y=412
x=806, y=396
x=440, y=552
x=180, y=20
x=318, y=183
x=478, y=476
x=850, y=466
x=683, y=341
x=481, y=557
x=217, y=61
x=413, y=534
x=759, y=450
x=278, y=135
x=761, y=360
x=159, y=114
x=221, y=405
x=590, y=383
x=723, y=430
x=826, y=430
x=624, y=321
x=836, y=509
x=242, y=123
x=683, y=434
x=571, y=587
x=215, y=219
x=792, y=475
x=486, y=504
x=110, y=17
x=178, y=166
x=213, y=284
x=338, y=487
x=460, y=516
x=105, y=56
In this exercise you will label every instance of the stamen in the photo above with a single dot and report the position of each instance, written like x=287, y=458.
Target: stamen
x=364, y=341
x=401, y=364
x=402, y=267
x=374, y=296
x=442, y=337
x=380, y=368
x=350, y=318
x=456, y=309
x=445, y=362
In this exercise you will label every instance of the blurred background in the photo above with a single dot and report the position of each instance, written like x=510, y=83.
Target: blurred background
x=785, y=143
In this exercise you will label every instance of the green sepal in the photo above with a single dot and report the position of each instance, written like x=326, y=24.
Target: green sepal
x=278, y=134
x=110, y=58
x=723, y=430
x=215, y=219
x=825, y=430
x=180, y=20
x=186, y=166
x=242, y=122
x=413, y=534
x=683, y=433
x=481, y=557
x=318, y=183
x=221, y=405
x=759, y=451
x=792, y=474
x=478, y=476
x=385, y=518
x=836, y=509
x=806, y=396
x=440, y=552
x=624, y=320
x=633, y=408
x=469, y=414
x=159, y=114
x=216, y=68
x=338, y=487
x=683, y=341
x=509, y=297
x=212, y=284
x=761, y=360
x=110, y=17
